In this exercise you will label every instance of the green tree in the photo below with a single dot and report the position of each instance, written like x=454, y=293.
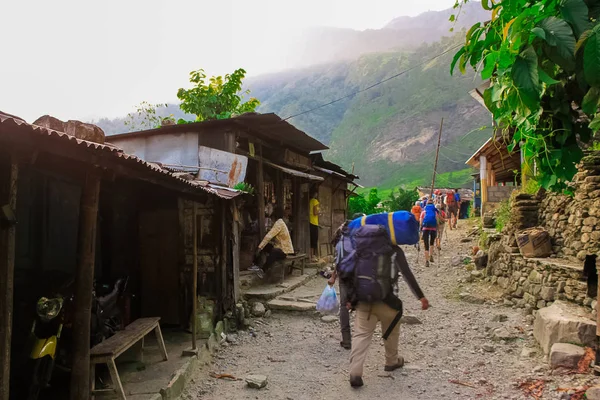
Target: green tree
x=364, y=204
x=400, y=199
x=542, y=58
x=218, y=98
x=145, y=117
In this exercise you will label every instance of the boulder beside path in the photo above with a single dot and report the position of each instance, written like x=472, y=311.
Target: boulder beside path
x=563, y=323
x=565, y=355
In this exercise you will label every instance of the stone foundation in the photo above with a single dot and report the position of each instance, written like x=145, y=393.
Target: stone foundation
x=573, y=223
x=539, y=281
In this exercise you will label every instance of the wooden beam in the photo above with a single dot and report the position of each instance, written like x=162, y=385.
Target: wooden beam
x=235, y=223
x=7, y=270
x=224, y=251
x=279, y=189
x=84, y=281
x=260, y=182
x=195, y=279
x=296, y=213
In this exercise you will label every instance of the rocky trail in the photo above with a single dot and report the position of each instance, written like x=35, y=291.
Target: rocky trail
x=471, y=344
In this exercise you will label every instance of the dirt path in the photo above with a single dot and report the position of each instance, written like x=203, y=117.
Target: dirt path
x=459, y=340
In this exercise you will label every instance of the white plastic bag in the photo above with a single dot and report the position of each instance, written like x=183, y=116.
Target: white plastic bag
x=328, y=302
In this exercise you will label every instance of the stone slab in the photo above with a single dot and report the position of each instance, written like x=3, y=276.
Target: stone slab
x=268, y=292
x=177, y=383
x=565, y=355
x=286, y=305
x=563, y=323
x=593, y=393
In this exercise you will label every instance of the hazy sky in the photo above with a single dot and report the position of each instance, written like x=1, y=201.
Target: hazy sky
x=80, y=59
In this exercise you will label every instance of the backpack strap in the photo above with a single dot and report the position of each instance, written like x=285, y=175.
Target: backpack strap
x=363, y=220
x=391, y=227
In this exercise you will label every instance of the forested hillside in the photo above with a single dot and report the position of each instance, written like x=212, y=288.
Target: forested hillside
x=387, y=133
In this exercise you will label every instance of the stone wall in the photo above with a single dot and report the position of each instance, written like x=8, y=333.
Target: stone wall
x=537, y=282
x=572, y=222
x=496, y=194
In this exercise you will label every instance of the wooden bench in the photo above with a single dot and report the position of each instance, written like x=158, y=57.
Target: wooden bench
x=107, y=351
x=293, y=261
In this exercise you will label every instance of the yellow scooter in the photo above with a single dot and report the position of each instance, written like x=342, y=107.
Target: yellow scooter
x=46, y=330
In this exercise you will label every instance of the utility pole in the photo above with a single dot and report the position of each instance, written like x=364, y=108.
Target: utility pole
x=437, y=154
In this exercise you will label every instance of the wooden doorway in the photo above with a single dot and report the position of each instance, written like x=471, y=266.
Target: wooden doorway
x=159, y=237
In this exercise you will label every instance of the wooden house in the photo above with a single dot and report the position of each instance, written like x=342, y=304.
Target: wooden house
x=74, y=208
x=334, y=191
x=260, y=150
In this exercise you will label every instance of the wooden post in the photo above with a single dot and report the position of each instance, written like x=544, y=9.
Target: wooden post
x=7, y=269
x=261, y=194
x=437, y=154
x=224, y=250
x=195, y=279
x=279, y=190
x=84, y=280
x=298, y=247
x=483, y=180
x=235, y=224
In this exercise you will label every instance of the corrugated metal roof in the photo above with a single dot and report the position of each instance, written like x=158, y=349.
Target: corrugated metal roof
x=10, y=124
x=264, y=126
x=319, y=161
x=293, y=172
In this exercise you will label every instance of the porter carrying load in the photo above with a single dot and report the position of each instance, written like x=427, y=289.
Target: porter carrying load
x=402, y=226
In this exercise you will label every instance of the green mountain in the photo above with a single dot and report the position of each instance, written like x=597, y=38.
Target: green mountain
x=388, y=133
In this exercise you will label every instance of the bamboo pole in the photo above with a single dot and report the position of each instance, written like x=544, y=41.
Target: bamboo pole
x=7, y=269
x=84, y=281
x=437, y=154
x=195, y=279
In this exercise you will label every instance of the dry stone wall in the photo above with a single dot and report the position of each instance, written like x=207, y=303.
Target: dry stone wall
x=573, y=222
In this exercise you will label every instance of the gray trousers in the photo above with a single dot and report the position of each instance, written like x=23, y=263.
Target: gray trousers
x=344, y=315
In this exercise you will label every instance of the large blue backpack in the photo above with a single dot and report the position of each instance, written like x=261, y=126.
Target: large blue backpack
x=370, y=266
x=430, y=219
x=402, y=226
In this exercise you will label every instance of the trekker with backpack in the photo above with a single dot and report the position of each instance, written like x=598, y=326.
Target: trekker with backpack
x=429, y=225
x=416, y=210
x=441, y=225
x=343, y=247
x=370, y=272
x=452, y=208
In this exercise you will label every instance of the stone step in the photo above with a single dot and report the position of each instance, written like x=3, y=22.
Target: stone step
x=287, y=305
x=270, y=291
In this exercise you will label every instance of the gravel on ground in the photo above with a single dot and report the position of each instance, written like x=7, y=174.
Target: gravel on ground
x=471, y=344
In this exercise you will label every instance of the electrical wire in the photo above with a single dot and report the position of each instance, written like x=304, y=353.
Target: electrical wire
x=450, y=183
x=375, y=84
x=451, y=160
x=456, y=151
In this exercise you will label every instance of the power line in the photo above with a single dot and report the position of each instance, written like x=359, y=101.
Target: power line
x=450, y=183
x=451, y=160
x=456, y=151
x=375, y=84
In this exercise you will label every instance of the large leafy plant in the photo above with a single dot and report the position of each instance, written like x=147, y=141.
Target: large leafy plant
x=542, y=58
x=216, y=98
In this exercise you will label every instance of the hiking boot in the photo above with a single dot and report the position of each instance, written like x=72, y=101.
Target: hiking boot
x=356, y=381
x=346, y=345
x=431, y=259
x=426, y=264
x=399, y=364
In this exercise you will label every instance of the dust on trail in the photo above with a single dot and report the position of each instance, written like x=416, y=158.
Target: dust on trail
x=450, y=355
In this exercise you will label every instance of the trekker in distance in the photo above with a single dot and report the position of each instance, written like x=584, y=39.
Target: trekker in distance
x=429, y=225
